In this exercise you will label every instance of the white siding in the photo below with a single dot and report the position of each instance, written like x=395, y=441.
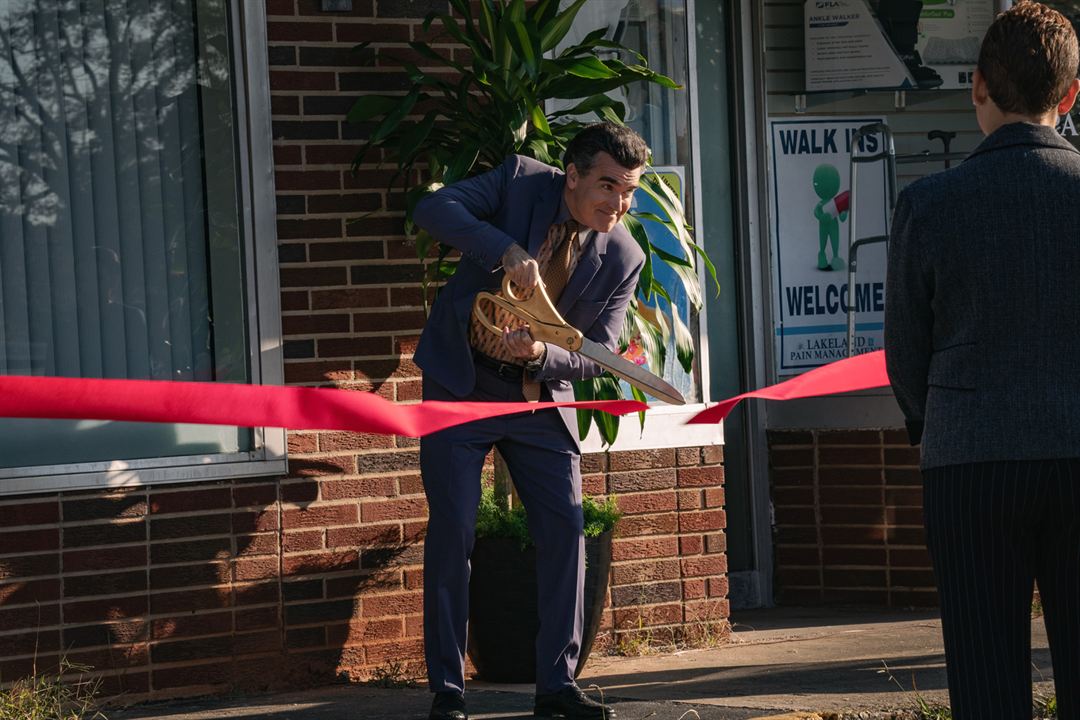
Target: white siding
x=925, y=110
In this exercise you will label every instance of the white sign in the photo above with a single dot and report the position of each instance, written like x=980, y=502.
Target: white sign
x=846, y=49
x=950, y=35
x=812, y=198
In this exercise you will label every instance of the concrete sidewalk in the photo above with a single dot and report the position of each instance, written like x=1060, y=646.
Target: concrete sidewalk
x=779, y=661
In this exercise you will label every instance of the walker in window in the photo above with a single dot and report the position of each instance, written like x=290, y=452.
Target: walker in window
x=847, y=201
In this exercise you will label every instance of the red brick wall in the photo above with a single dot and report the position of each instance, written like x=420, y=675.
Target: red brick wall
x=848, y=519
x=669, y=570
x=266, y=584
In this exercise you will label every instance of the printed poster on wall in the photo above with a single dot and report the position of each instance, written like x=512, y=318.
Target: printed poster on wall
x=950, y=35
x=845, y=49
x=812, y=198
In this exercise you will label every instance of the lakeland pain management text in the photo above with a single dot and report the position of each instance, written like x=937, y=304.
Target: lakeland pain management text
x=812, y=198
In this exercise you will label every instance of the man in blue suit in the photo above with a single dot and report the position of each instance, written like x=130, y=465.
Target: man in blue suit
x=531, y=222
x=982, y=332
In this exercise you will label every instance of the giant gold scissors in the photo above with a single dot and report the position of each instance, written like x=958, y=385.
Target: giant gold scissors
x=546, y=325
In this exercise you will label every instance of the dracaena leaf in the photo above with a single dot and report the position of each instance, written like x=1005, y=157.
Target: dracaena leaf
x=640, y=397
x=684, y=341
x=556, y=30
x=637, y=231
x=428, y=52
x=394, y=118
x=368, y=107
x=527, y=46
x=589, y=68
x=592, y=104
x=541, y=13
x=539, y=121
x=462, y=162
x=412, y=140
x=584, y=390
x=516, y=10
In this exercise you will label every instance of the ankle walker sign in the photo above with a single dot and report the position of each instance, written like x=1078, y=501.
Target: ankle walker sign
x=847, y=50
x=810, y=209
x=906, y=45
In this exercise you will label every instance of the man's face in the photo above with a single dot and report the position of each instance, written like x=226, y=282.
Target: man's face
x=601, y=197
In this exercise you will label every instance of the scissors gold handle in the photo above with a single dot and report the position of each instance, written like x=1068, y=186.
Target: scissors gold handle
x=545, y=323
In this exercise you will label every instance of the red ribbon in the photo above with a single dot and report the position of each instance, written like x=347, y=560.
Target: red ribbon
x=298, y=408
x=302, y=408
x=861, y=372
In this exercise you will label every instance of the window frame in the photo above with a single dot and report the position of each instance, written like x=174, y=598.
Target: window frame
x=258, y=221
x=665, y=425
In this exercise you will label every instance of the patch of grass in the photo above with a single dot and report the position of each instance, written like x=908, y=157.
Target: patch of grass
x=708, y=634
x=63, y=695
x=1045, y=707
x=924, y=709
x=931, y=711
x=392, y=674
x=634, y=644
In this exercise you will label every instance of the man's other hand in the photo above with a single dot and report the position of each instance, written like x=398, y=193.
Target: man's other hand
x=521, y=267
x=521, y=345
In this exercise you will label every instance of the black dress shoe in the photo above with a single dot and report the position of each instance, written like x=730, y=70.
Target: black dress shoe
x=448, y=706
x=571, y=703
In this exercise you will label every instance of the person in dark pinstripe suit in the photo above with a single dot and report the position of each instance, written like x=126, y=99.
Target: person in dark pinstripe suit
x=982, y=338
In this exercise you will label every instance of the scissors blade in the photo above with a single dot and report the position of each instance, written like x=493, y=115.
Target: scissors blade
x=641, y=379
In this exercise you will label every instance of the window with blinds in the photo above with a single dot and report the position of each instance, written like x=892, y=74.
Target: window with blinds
x=121, y=236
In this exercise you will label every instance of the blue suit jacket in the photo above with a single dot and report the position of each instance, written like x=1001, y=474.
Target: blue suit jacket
x=982, y=316
x=517, y=203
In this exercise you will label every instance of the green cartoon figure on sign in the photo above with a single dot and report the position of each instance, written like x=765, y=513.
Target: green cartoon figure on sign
x=830, y=211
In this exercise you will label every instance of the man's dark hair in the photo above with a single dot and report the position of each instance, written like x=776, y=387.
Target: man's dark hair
x=1028, y=58
x=624, y=145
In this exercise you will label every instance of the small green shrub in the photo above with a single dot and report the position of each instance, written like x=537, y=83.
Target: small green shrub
x=52, y=696
x=600, y=515
x=492, y=520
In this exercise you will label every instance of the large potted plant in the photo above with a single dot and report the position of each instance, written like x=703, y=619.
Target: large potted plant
x=455, y=120
x=503, y=619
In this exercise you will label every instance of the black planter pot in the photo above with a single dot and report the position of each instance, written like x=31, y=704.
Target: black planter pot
x=503, y=620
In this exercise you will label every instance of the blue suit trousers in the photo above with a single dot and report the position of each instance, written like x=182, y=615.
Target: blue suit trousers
x=545, y=465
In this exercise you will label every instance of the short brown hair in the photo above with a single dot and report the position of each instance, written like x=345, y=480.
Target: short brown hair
x=1028, y=58
x=624, y=145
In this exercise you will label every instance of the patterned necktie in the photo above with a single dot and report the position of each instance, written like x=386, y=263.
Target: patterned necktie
x=557, y=259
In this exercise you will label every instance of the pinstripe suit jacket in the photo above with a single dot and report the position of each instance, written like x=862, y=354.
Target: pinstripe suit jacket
x=982, y=319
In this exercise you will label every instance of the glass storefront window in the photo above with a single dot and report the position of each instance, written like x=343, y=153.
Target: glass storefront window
x=120, y=250
x=656, y=29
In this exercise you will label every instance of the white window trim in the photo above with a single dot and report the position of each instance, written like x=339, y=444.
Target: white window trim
x=259, y=227
x=665, y=427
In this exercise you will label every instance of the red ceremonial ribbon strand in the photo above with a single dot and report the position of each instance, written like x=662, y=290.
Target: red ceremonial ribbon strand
x=302, y=408
x=861, y=372
x=297, y=408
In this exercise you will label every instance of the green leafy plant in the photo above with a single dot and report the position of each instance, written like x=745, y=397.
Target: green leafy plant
x=495, y=519
x=61, y=695
x=458, y=119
